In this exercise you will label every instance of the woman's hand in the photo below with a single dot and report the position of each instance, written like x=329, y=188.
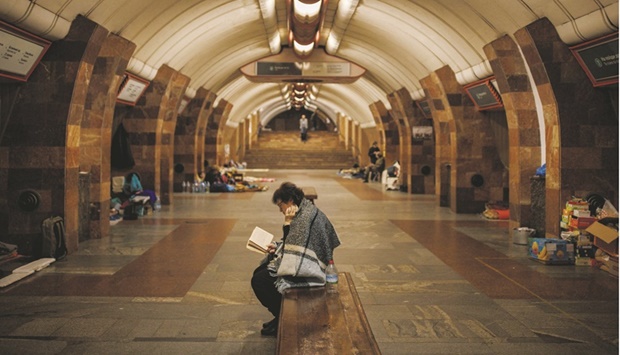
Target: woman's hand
x=290, y=213
x=271, y=248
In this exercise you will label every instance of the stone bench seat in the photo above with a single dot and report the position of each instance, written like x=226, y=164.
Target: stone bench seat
x=314, y=321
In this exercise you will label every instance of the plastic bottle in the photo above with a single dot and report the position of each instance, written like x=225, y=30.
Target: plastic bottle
x=157, y=205
x=208, y=187
x=184, y=186
x=331, y=277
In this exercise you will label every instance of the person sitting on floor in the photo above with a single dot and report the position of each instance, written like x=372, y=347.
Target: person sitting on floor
x=356, y=172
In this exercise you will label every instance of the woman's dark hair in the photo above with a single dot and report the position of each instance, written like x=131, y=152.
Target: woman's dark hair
x=286, y=192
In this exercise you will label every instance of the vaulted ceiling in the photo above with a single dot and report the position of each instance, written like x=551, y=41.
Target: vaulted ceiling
x=398, y=42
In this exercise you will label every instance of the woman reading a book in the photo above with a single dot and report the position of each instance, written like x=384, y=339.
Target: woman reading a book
x=300, y=258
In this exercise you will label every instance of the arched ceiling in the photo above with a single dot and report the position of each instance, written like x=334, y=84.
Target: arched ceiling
x=398, y=42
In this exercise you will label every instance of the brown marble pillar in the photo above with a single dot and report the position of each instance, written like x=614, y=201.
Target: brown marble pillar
x=189, y=140
x=220, y=115
x=96, y=131
x=242, y=134
x=392, y=138
x=422, y=160
x=443, y=125
x=203, y=120
x=41, y=145
x=150, y=127
x=357, y=142
x=378, y=111
x=211, y=134
x=178, y=84
x=389, y=137
x=581, y=127
x=255, y=130
x=476, y=172
x=523, y=130
x=402, y=107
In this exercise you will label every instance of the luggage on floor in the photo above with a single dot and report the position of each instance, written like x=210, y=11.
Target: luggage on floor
x=53, y=243
x=130, y=212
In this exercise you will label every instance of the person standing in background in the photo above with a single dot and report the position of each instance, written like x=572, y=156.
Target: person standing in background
x=372, y=152
x=303, y=128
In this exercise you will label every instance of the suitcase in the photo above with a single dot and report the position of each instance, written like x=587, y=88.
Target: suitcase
x=53, y=243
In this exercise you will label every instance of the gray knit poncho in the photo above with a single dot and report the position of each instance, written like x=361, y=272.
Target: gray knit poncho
x=307, y=250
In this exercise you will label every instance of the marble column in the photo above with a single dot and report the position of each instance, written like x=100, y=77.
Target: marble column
x=442, y=122
x=379, y=111
x=40, y=152
x=178, y=85
x=581, y=126
x=184, y=149
x=402, y=107
x=523, y=129
x=223, y=133
x=422, y=178
x=212, y=133
x=476, y=172
x=96, y=131
x=150, y=127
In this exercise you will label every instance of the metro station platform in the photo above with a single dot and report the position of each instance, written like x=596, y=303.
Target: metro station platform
x=177, y=281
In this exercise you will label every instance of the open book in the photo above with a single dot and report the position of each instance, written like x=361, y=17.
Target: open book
x=259, y=240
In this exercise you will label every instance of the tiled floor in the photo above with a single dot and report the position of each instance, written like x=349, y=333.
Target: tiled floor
x=431, y=282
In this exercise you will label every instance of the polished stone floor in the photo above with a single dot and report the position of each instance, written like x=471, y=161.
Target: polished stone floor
x=431, y=282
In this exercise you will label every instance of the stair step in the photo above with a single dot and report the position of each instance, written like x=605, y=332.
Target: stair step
x=285, y=150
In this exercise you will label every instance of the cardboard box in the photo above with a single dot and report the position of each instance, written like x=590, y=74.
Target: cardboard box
x=551, y=251
x=585, y=251
x=581, y=213
x=581, y=222
x=605, y=237
x=577, y=204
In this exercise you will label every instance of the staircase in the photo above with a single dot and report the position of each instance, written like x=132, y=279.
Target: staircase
x=285, y=150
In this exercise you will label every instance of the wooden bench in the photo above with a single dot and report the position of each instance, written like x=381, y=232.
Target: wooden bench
x=314, y=321
x=310, y=193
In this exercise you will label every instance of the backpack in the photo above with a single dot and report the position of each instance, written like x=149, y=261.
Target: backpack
x=53, y=243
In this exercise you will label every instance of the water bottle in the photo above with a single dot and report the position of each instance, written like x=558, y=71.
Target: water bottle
x=208, y=187
x=331, y=277
x=184, y=186
x=157, y=205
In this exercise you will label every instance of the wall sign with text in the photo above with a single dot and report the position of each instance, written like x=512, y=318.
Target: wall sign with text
x=599, y=59
x=484, y=95
x=20, y=52
x=422, y=132
x=131, y=89
x=321, y=69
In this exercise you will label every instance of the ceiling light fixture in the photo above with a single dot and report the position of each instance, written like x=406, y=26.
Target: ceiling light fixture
x=307, y=10
x=304, y=24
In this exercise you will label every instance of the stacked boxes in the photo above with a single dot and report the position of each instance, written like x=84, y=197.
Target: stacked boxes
x=605, y=233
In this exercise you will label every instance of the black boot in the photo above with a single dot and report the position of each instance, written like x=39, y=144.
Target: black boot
x=271, y=329
x=266, y=324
